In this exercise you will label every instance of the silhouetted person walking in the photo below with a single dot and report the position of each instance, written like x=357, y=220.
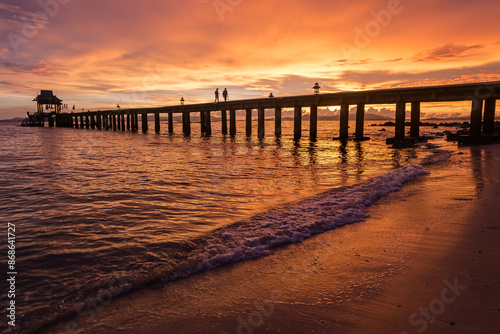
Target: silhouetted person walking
x=224, y=94
x=217, y=95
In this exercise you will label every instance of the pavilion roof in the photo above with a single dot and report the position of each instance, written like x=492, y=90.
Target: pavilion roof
x=47, y=97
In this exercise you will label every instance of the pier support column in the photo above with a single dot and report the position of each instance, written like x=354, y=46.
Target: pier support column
x=82, y=125
x=248, y=122
x=118, y=122
x=157, y=123
x=114, y=122
x=489, y=116
x=224, y=122
x=297, y=123
x=123, y=122
x=92, y=122
x=87, y=122
x=344, y=121
x=313, y=120
x=476, y=117
x=203, y=123
x=232, y=123
x=132, y=122
x=104, y=122
x=170, y=123
x=99, y=122
x=400, y=121
x=261, y=123
x=208, y=124
x=128, y=121
x=144, y=119
x=277, y=122
x=51, y=121
x=415, y=119
x=76, y=122
x=136, y=122
x=186, y=123
x=360, y=121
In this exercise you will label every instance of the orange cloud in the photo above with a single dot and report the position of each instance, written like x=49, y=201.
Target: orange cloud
x=137, y=52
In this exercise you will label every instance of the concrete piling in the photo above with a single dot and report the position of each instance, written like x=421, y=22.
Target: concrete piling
x=415, y=120
x=344, y=121
x=277, y=122
x=360, y=121
x=261, y=123
x=313, y=120
x=157, y=123
x=489, y=116
x=232, y=123
x=170, y=123
x=399, y=133
x=248, y=118
x=144, y=119
x=224, y=122
x=476, y=117
x=297, y=123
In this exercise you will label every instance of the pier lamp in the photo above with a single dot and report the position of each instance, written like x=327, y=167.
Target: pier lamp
x=182, y=101
x=316, y=89
x=271, y=95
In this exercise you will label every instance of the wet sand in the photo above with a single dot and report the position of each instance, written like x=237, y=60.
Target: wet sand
x=426, y=261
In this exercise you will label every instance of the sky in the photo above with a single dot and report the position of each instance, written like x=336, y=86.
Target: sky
x=97, y=54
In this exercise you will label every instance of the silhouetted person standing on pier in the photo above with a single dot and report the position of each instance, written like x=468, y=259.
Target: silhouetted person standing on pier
x=224, y=94
x=217, y=95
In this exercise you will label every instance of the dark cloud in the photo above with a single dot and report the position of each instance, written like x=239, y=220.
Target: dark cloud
x=39, y=68
x=387, y=77
x=393, y=60
x=446, y=52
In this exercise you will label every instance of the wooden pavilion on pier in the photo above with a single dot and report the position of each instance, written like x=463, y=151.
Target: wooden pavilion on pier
x=49, y=100
x=47, y=97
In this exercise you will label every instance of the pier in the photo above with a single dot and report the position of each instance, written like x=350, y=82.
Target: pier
x=482, y=97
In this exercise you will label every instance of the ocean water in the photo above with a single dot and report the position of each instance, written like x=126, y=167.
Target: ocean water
x=101, y=213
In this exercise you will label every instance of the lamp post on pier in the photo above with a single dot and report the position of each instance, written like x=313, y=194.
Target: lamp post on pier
x=316, y=89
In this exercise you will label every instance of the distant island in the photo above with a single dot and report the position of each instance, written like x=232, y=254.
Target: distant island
x=15, y=119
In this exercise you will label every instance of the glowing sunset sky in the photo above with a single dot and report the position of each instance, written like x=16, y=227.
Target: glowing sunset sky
x=96, y=54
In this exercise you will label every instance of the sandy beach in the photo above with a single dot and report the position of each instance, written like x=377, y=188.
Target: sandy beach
x=426, y=261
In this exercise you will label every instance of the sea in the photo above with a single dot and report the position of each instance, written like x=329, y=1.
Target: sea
x=99, y=214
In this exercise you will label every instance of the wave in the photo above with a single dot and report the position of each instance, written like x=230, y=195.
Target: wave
x=258, y=235
x=296, y=222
